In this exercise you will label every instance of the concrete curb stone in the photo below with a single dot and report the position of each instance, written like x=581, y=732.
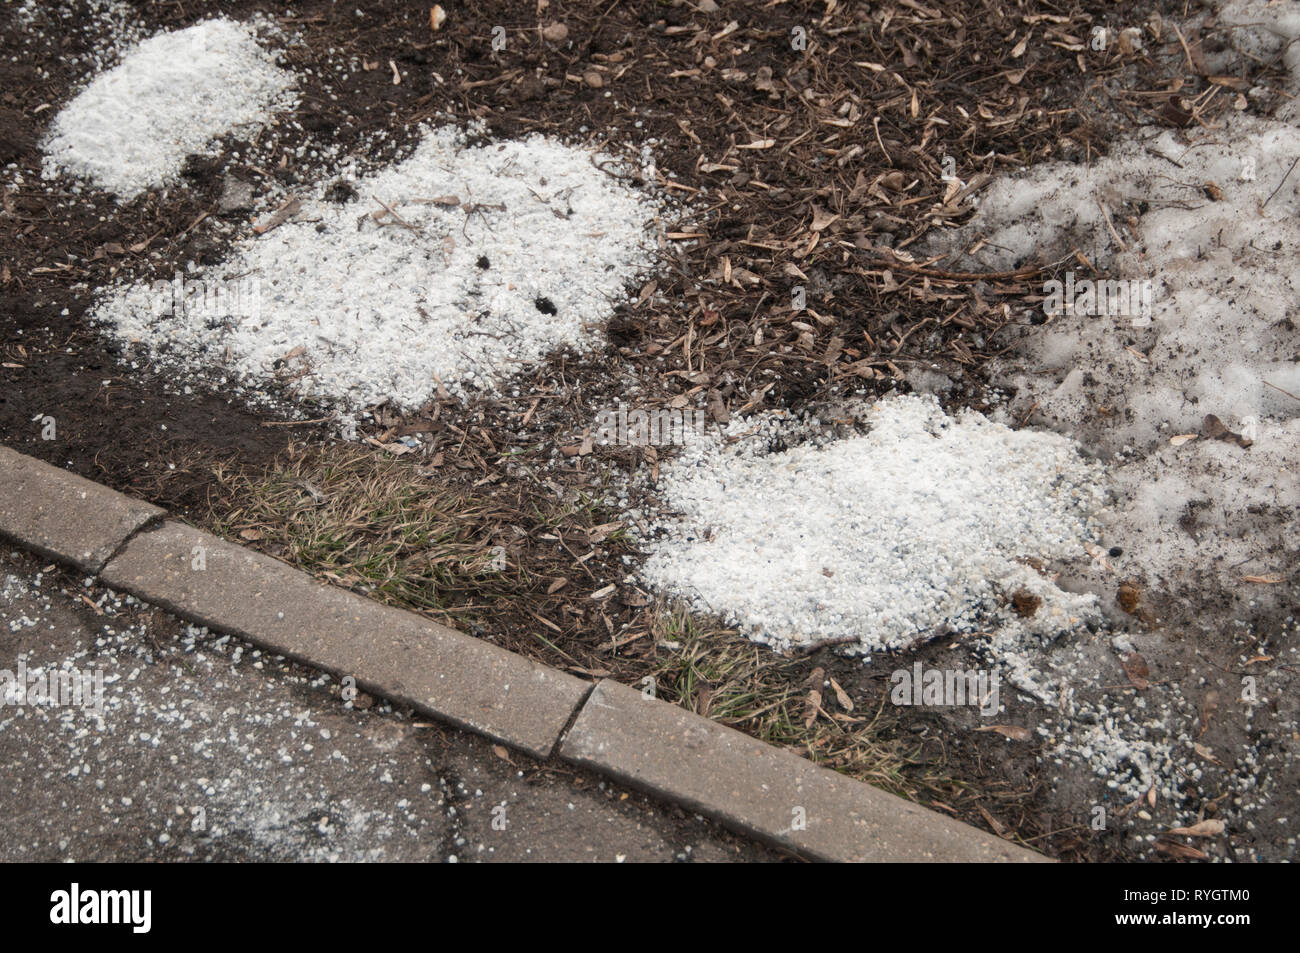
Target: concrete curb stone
x=63, y=516
x=396, y=654
x=763, y=791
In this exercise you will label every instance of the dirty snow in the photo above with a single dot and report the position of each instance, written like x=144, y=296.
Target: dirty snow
x=131, y=128
x=1225, y=275
x=1211, y=217
x=486, y=258
x=1221, y=340
x=1266, y=30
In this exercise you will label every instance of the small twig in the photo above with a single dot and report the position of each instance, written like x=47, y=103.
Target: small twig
x=1186, y=50
x=875, y=122
x=960, y=275
x=1287, y=392
x=297, y=423
x=1282, y=183
x=193, y=225
x=397, y=218
x=823, y=643
x=280, y=215
x=1111, y=225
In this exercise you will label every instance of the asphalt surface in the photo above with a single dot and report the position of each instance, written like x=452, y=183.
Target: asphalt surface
x=201, y=747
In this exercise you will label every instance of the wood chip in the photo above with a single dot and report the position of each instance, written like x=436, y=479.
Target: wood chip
x=1208, y=828
x=814, y=703
x=1014, y=732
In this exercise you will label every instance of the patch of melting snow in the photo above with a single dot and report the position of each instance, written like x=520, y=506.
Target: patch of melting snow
x=1211, y=217
x=458, y=266
x=133, y=125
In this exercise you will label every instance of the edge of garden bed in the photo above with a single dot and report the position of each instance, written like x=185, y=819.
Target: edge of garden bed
x=745, y=784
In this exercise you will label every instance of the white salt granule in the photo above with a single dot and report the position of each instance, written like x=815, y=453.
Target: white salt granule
x=131, y=128
x=887, y=536
x=491, y=256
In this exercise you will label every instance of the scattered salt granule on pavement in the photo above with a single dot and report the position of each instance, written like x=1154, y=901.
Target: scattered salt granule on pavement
x=131, y=128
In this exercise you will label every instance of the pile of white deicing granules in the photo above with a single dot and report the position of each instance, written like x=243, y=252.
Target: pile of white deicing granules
x=461, y=265
x=922, y=522
x=131, y=128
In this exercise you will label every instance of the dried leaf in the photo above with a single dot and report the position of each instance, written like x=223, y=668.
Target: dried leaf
x=1214, y=428
x=1135, y=667
x=814, y=703
x=822, y=218
x=1204, y=751
x=842, y=696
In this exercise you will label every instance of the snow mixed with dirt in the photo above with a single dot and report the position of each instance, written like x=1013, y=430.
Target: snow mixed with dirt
x=456, y=267
x=1266, y=30
x=131, y=128
x=923, y=523
x=1212, y=219
x=1194, y=408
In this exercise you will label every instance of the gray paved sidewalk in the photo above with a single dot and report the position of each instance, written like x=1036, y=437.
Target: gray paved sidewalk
x=208, y=749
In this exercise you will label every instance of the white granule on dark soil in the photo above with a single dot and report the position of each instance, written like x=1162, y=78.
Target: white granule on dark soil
x=457, y=267
x=133, y=125
x=922, y=522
